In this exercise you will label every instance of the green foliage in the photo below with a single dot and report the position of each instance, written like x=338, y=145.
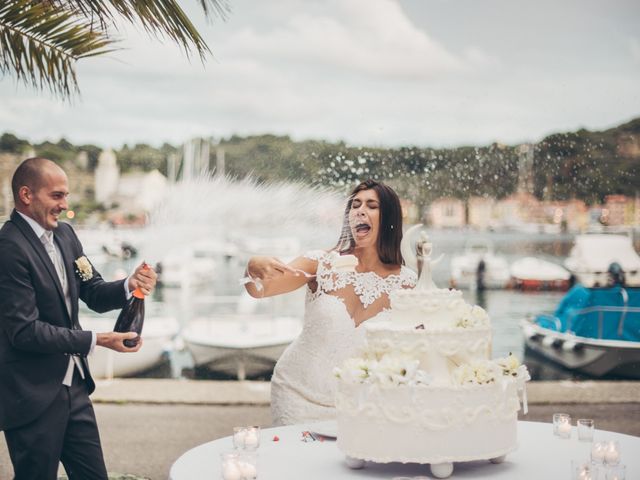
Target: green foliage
x=589, y=165
x=11, y=144
x=143, y=157
x=583, y=165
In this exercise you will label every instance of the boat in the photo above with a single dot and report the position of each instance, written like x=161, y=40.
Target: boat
x=531, y=273
x=592, y=254
x=479, y=267
x=158, y=334
x=594, y=331
x=243, y=345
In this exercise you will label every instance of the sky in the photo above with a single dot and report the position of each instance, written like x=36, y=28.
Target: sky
x=367, y=72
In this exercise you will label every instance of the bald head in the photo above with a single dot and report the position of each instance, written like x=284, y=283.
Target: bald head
x=32, y=173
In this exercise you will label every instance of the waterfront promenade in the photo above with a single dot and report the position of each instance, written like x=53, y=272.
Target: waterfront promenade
x=146, y=424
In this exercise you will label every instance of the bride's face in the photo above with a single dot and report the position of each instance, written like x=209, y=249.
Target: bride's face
x=364, y=218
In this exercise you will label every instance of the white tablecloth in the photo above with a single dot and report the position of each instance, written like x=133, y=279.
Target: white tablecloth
x=540, y=455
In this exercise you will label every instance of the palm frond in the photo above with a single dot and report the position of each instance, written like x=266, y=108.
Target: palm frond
x=158, y=17
x=40, y=40
x=41, y=44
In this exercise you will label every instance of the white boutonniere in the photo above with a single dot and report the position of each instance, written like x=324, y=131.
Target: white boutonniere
x=84, y=268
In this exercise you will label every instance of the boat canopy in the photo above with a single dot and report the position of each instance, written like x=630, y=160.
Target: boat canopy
x=595, y=252
x=607, y=313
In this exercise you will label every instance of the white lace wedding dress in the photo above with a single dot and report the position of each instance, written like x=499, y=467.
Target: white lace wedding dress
x=303, y=384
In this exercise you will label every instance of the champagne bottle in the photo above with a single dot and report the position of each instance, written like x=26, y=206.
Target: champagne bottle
x=131, y=318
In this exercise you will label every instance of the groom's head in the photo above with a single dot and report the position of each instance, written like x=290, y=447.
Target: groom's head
x=40, y=189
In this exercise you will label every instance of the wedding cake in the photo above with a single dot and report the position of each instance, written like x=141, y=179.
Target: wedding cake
x=425, y=390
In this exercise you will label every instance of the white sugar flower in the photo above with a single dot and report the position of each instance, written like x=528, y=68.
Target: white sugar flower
x=510, y=365
x=395, y=369
x=485, y=372
x=464, y=374
x=354, y=370
x=473, y=317
x=475, y=373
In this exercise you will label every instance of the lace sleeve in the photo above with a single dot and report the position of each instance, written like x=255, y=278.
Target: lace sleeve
x=408, y=277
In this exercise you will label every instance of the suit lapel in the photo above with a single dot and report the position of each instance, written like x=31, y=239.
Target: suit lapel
x=37, y=246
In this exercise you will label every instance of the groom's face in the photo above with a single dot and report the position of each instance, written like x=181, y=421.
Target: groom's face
x=50, y=198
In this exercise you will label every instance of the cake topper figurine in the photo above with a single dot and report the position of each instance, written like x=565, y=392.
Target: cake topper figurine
x=418, y=258
x=423, y=257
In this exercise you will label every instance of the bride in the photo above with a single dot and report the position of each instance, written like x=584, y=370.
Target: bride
x=337, y=302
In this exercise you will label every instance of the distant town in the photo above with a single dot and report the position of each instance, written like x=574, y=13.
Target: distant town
x=126, y=198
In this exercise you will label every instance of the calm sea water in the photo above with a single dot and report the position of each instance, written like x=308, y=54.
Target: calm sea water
x=506, y=308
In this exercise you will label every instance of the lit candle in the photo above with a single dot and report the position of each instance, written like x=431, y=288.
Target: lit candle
x=584, y=475
x=248, y=470
x=597, y=452
x=251, y=439
x=612, y=455
x=231, y=471
x=239, y=438
x=564, y=428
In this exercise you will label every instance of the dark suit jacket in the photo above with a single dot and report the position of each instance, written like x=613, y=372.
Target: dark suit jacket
x=36, y=331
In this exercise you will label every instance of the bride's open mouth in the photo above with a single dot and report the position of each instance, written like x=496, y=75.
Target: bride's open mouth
x=362, y=229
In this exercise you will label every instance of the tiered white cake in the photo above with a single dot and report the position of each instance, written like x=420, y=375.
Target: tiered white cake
x=425, y=390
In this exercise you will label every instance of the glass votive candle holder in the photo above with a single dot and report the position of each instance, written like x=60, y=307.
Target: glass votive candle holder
x=239, y=465
x=585, y=427
x=615, y=472
x=583, y=471
x=598, y=450
x=612, y=453
x=562, y=425
x=246, y=438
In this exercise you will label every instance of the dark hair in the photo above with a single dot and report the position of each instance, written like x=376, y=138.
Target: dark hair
x=29, y=174
x=390, y=234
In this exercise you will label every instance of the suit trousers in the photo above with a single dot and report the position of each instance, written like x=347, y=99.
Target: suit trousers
x=67, y=431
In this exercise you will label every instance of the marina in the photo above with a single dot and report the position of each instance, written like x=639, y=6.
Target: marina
x=224, y=334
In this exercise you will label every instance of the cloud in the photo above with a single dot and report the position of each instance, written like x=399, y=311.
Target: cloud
x=634, y=49
x=369, y=37
x=369, y=72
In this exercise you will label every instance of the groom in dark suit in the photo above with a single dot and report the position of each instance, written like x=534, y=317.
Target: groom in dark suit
x=45, y=382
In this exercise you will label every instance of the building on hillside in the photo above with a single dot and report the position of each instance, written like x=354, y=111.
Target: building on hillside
x=410, y=212
x=447, y=213
x=140, y=190
x=107, y=176
x=619, y=210
x=481, y=212
x=516, y=211
x=129, y=196
x=8, y=164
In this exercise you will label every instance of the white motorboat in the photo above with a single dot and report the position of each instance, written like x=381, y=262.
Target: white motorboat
x=479, y=267
x=592, y=254
x=158, y=335
x=240, y=344
x=531, y=273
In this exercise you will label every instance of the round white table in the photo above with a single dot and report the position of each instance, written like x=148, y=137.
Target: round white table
x=540, y=455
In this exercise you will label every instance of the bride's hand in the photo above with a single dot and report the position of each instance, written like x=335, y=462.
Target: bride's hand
x=268, y=276
x=267, y=268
